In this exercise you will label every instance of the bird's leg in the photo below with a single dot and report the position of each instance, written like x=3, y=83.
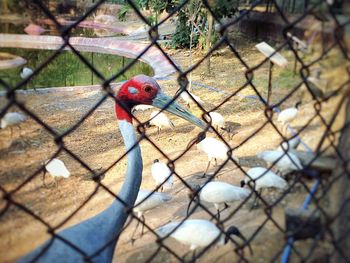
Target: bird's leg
x=11, y=131
x=216, y=162
x=43, y=179
x=193, y=259
x=218, y=214
x=194, y=256
x=133, y=234
x=219, y=211
x=226, y=206
x=261, y=191
x=278, y=172
x=256, y=200
x=162, y=188
x=185, y=255
x=55, y=182
x=206, y=170
x=143, y=224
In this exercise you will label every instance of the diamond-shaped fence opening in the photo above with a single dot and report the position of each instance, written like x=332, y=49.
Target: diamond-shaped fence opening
x=263, y=176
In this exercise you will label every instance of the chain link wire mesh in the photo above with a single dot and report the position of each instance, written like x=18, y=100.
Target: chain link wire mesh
x=307, y=220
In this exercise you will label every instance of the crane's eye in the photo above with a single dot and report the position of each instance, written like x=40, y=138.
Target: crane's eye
x=147, y=88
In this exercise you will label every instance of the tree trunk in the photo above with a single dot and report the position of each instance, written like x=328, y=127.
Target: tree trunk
x=5, y=7
x=208, y=40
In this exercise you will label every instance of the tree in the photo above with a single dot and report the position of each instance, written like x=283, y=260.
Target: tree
x=155, y=6
x=220, y=8
x=5, y=7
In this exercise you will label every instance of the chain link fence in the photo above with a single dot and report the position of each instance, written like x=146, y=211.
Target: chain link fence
x=299, y=213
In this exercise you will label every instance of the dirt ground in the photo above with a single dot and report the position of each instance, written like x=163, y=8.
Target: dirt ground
x=97, y=142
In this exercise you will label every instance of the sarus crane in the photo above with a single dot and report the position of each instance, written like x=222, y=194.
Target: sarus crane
x=94, y=239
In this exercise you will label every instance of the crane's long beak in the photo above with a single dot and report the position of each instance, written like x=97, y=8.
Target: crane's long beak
x=161, y=100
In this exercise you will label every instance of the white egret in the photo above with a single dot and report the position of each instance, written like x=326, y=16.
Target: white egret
x=160, y=120
x=289, y=144
x=198, y=233
x=264, y=178
x=285, y=161
x=288, y=115
x=141, y=107
x=145, y=201
x=213, y=148
x=217, y=120
x=11, y=119
x=25, y=72
x=219, y=194
x=162, y=175
x=259, y=178
x=188, y=100
x=56, y=168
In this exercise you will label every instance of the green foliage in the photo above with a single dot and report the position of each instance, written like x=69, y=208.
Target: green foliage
x=287, y=79
x=155, y=6
x=181, y=38
x=122, y=12
x=225, y=8
x=202, y=40
x=198, y=13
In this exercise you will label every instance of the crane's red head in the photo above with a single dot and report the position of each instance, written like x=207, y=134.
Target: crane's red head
x=142, y=89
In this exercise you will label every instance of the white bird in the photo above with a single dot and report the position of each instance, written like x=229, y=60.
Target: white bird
x=288, y=115
x=160, y=120
x=289, y=144
x=162, y=175
x=217, y=120
x=285, y=162
x=198, y=233
x=12, y=118
x=213, y=148
x=56, y=168
x=263, y=178
x=220, y=193
x=25, y=72
x=145, y=201
x=188, y=100
x=141, y=107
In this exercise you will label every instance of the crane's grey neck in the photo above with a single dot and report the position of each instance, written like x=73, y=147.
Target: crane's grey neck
x=115, y=216
x=133, y=175
x=97, y=236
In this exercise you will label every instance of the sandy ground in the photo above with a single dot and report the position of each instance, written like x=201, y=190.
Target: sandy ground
x=98, y=143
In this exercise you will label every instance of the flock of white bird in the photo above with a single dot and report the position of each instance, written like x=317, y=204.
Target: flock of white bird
x=200, y=232
x=220, y=194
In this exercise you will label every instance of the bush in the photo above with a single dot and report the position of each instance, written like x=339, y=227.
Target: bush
x=181, y=38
